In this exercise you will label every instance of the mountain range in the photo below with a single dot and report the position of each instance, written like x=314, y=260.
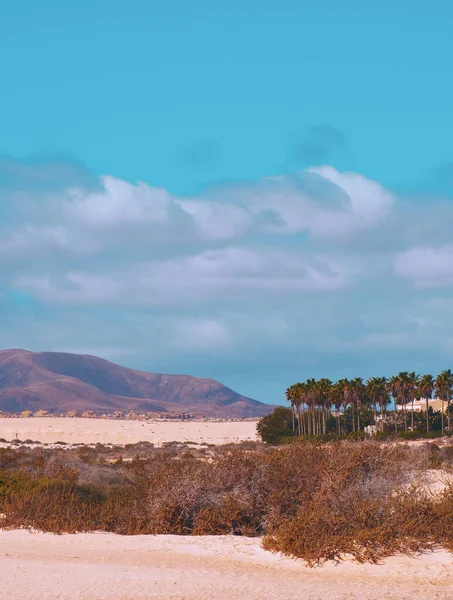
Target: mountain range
x=60, y=381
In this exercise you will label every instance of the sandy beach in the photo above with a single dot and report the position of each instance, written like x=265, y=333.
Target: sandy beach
x=96, y=566
x=90, y=431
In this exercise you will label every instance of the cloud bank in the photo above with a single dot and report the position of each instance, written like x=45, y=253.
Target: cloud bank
x=256, y=283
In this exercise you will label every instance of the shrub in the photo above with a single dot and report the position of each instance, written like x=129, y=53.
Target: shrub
x=410, y=435
x=275, y=426
x=446, y=456
x=310, y=500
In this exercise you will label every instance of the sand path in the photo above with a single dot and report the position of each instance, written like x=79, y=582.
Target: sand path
x=109, y=567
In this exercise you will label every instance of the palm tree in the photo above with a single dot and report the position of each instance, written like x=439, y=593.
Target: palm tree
x=373, y=392
x=310, y=401
x=318, y=405
x=443, y=386
x=450, y=379
x=302, y=397
x=412, y=389
x=357, y=391
x=425, y=389
x=361, y=397
x=405, y=389
x=349, y=399
x=384, y=396
x=291, y=398
x=377, y=394
x=401, y=390
x=337, y=397
x=324, y=400
x=392, y=388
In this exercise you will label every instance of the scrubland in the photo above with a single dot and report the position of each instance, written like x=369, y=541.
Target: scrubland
x=362, y=500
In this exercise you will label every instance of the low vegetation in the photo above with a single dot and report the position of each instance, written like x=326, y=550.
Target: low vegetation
x=307, y=500
x=277, y=428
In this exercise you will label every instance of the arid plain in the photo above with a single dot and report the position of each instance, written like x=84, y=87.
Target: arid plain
x=91, y=431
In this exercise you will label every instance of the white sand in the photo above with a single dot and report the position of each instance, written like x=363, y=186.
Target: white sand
x=89, y=431
x=100, y=566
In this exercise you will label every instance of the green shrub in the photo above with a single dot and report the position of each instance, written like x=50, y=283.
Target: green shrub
x=275, y=426
x=410, y=435
x=432, y=435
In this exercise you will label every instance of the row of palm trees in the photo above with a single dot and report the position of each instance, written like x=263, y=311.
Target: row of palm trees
x=313, y=401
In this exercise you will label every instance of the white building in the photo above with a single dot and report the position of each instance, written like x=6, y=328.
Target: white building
x=419, y=405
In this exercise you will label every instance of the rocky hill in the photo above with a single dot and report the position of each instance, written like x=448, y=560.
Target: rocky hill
x=58, y=382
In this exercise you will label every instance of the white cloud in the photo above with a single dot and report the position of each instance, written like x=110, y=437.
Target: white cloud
x=211, y=276
x=78, y=221
x=320, y=201
x=120, y=204
x=426, y=266
x=366, y=201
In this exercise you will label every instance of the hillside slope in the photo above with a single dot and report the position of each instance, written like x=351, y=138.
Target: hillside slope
x=58, y=382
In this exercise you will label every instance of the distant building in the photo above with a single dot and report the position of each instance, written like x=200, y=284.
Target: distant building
x=26, y=413
x=371, y=429
x=434, y=403
x=88, y=414
x=72, y=414
x=41, y=413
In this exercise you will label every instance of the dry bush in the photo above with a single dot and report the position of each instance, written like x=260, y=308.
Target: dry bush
x=362, y=507
x=446, y=457
x=311, y=501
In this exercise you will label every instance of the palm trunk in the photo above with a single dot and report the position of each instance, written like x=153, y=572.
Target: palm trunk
x=294, y=419
x=443, y=416
x=396, y=416
x=427, y=415
x=412, y=416
x=448, y=414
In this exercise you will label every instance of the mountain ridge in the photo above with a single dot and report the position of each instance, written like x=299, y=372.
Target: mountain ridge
x=61, y=381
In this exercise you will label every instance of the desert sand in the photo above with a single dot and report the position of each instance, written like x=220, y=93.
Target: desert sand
x=90, y=431
x=97, y=566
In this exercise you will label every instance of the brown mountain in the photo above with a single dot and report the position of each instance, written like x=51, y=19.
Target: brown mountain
x=58, y=382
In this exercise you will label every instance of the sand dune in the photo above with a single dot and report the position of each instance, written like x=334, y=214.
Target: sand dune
x=89, y=431
x=100, y=566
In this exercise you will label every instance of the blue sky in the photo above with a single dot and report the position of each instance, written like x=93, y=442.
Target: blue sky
x=254, y=191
